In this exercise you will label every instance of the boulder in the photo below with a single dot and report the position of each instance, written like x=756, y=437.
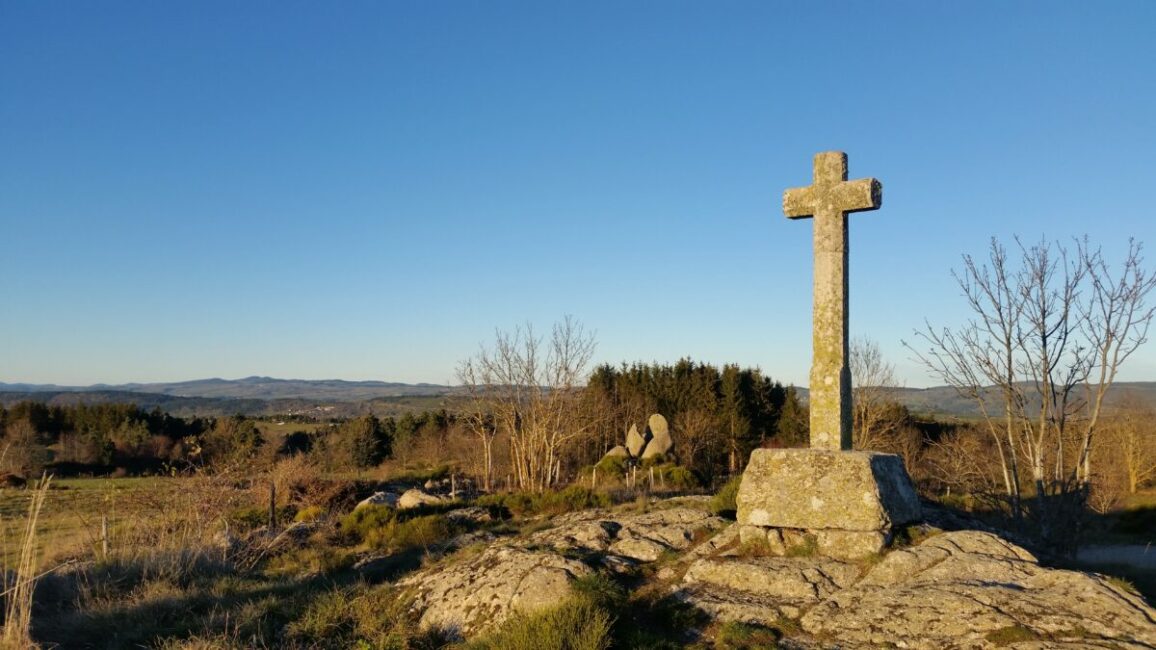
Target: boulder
x=414, y=497
x=618, y=452
x=635, y=442
x=759, y=590
x=642, y=537
x=817, y=489
x=471, y=597
x=660, y=441
x=388, y=499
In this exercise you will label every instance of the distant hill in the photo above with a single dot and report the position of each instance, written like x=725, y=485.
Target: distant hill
x=943, y=401
x=258, y=388
x=337, y=398
x=254, y=396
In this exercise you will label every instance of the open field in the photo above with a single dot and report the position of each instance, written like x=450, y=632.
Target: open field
x=71, y=519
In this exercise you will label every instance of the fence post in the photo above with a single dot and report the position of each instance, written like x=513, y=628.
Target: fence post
x=272, y=506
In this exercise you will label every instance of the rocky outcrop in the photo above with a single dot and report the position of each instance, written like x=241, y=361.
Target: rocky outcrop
x=471, y=596
x=964, y=589
x=961, y=589
x=466, y=596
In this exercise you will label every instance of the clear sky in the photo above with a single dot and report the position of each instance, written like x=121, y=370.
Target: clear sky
x=365, y=190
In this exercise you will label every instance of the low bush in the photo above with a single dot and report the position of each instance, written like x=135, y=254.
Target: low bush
x=571, y=499
x=309, y=513
x=386, y=529
x=366, y=520
x=360, y=617
x=678, y=477
x=612, y=466
x=421, y=474
x=601, y=590
x=724, y=502
x=418, y=532
x=521, y=504
x=578, y=624
x=256, y=516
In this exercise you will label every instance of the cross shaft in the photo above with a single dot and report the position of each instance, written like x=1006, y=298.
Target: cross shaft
x=829, y=199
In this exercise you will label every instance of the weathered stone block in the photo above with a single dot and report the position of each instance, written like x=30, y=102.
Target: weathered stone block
x=819, y=489
x=850, y=544
x=752, y=535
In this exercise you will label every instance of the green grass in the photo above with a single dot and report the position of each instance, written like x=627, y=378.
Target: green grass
x=724, y=503
x=744, y=636
x=578, y=624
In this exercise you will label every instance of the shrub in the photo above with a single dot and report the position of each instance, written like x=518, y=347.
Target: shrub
x=257, y=516
x=724, y=503
x=366, y=520
x=744, y=636
x=310, y=560
x=570, y=499
x=358, y=617
x=309, y=513
x=679, y=478
x=418, y=532
x=612, y=466
x=601, y=590
x=577, y=624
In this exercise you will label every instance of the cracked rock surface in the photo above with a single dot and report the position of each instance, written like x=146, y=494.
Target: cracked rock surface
x=960, y=589
x=469, y=595
x=952, y=591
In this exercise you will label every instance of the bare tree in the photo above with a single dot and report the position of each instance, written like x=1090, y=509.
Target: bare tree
x=874, y=396
x=529, y=389
x=1045, y=343
x=1130, y=441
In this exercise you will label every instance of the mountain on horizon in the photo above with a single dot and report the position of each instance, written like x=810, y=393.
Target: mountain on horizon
x=253, y=387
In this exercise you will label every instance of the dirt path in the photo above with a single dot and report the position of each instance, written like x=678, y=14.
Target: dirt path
x=1138, y=555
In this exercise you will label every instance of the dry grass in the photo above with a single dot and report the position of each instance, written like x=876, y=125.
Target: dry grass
x=20, y=584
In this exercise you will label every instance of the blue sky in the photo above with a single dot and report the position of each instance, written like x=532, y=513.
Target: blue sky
x=365, y=190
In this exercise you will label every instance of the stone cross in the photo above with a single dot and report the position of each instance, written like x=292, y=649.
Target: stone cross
x=829, y=199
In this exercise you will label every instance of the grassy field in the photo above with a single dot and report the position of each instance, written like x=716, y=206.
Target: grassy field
x=71, y=519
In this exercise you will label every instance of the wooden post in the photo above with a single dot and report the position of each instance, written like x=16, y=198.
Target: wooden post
x=272, y=506
x=104, y=536
x=594, y=478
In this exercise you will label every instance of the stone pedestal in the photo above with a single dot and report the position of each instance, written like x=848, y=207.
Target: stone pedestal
x=848, y=501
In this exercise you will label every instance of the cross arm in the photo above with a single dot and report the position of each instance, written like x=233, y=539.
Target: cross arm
x=799, y=202
x=857, y=195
